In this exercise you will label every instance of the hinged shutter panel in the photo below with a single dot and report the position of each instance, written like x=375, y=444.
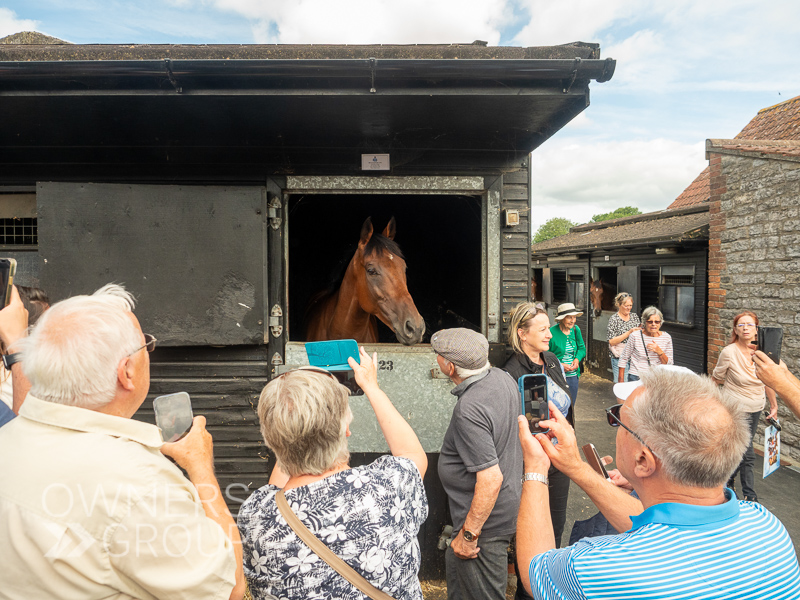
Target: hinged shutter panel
x=194, y=257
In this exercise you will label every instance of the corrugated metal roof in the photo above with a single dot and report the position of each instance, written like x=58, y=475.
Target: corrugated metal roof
x=649, y=229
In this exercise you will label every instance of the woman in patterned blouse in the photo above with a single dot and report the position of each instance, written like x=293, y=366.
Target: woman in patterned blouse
x=369, y=516
x=620, y=326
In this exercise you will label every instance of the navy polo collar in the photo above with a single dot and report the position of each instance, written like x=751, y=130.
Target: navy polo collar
x=690, y=516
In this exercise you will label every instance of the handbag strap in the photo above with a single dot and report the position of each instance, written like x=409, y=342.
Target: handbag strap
x=325, y=553
x=646, y=353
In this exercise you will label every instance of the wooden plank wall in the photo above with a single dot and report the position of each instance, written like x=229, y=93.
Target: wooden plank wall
x=516, y=242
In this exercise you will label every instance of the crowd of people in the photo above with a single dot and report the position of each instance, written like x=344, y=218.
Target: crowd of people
x=91, y=507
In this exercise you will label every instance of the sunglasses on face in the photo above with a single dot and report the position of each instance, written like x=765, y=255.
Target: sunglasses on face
x=612, y=415
x=149, y=343
x=653, y=322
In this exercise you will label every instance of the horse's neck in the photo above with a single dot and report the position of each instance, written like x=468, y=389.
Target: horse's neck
x=349, y=319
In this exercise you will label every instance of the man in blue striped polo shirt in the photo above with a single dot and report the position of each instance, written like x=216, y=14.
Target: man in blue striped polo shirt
x=677, y=443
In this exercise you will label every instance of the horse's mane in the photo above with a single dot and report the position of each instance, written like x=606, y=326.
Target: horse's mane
x=377, y=243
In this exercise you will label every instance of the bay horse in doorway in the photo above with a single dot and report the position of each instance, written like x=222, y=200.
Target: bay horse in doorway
x=602, y=296
x=374, y=286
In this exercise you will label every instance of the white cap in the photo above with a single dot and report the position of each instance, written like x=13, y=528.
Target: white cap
x=623, y=390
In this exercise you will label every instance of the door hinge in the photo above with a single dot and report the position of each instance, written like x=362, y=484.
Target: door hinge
x=276, y=321
x=274, y=211
x=277, y=359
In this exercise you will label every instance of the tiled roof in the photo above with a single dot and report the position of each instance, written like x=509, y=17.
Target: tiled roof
x=655, y=228
x=698, y=191
x=788, y=149
x=779, y=122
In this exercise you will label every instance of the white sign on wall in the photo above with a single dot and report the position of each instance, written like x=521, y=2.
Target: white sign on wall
x=374, y=162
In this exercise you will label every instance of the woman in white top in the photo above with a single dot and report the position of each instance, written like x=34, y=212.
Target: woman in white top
x=736, y=373
x=646, y=348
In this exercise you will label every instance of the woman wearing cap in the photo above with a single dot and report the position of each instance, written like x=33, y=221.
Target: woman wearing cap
x=621, y=326
x=736, y=373
x=567, y=344
x=646, y=349
x=529, y=336
x=369, y=516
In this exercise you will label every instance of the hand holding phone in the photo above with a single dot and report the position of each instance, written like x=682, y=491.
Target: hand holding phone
x=769, y=342
x=173, y=415
x=8, y=269
x=593, y=458
x=533, y=393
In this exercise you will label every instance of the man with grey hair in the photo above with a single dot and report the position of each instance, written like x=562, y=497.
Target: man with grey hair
x=689, y=537
x=90, y=507
x=479, y=465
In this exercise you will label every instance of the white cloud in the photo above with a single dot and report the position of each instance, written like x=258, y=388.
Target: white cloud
x=371, y=21
x=10, y=23
x=577, y=180
x=556, y=22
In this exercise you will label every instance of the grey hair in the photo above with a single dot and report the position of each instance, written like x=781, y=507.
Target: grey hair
x=520, y=318
x=72, y=355
x=698, y=435
x=304, y=417
x=649, y=312
x=621, y=297
x=463, y=373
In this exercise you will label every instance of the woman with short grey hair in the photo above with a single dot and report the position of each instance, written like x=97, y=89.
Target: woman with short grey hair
x=649, y=348
x=369, y=516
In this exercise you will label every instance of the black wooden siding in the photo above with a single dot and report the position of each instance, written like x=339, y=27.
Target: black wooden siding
x=515, y=243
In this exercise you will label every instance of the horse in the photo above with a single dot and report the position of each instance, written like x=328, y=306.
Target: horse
x=373, y=286
x=602, y=296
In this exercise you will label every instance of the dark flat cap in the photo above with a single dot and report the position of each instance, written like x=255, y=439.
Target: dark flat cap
x=463, y=347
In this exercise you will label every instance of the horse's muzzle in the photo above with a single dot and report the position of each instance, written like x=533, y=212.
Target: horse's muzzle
x=411, y=331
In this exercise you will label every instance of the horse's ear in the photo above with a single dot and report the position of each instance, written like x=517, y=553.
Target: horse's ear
x=391, y=229
x=366, y=232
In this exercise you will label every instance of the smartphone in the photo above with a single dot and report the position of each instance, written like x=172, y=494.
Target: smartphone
x=332, y=356
x=8, y=269
x=769, y=341
x=533, y=392
x=173, y=415
x=593, y=458
x=348, y=379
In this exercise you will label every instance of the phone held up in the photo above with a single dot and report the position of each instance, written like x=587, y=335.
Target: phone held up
x=8, y=268
x=769, y=342
x=173, y=415
x=593, y=458
x=533, y=393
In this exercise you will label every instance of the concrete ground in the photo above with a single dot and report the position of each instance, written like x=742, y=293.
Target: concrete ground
x=779, y=492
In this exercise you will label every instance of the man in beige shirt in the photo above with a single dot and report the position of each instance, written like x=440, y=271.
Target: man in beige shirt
x=89, y=505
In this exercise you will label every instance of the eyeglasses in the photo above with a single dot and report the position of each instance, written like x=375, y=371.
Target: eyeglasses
x=149, y=343
x=653, y=322
x=743, y=325
x=612, y=414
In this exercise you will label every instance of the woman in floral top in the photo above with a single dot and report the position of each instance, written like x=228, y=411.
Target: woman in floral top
x=620, y=326
x=369, y=516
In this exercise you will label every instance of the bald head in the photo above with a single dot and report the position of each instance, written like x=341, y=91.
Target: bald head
x=698, y=436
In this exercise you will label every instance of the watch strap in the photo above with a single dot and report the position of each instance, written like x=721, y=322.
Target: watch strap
x=536, y=477
x=469, y=536
x=10, y=359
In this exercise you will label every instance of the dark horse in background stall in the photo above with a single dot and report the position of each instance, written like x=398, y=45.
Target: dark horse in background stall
x=374, y=285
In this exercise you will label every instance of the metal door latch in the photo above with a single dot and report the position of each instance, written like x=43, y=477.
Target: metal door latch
x=273, y=212
x=276, y=321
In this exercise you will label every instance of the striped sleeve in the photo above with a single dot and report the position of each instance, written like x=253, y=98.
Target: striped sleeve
x=552, y=575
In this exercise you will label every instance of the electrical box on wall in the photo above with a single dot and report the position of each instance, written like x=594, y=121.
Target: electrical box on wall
x=510, y=218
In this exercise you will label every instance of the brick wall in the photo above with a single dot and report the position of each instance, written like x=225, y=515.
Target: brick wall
x=754, y=259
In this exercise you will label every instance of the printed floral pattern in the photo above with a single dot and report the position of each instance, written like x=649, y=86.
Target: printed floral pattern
x=369, y=516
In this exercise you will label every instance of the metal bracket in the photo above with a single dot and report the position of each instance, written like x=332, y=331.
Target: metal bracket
x=276, y=321
x=277, y=359
x=373, y=63
x=572, y=77
x=273, y=211
x=171, y=76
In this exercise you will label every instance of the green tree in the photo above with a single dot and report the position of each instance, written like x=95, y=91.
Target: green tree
x=552, y=228
x=623, y=211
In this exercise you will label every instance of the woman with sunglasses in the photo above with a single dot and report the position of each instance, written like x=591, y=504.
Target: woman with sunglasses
x=529, y=336
x=369, y=516
x=646, y=349
x=621, y=326
x=736, y=373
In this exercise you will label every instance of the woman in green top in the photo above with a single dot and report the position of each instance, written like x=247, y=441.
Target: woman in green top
x=567, y=344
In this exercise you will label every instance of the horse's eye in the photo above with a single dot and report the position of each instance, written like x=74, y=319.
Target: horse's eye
x=372, y=271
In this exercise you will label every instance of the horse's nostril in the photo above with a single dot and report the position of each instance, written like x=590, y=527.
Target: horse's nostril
x=410, y=329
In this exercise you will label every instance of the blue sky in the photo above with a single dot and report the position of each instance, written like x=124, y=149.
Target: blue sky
x=687, y=70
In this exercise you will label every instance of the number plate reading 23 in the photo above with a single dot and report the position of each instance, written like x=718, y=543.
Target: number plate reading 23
x=385, y=365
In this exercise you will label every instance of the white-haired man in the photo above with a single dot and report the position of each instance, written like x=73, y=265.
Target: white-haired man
x=89, y=505
x=678, y=442
x=479, y=465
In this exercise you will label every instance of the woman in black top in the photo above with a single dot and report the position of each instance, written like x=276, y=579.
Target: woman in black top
x=529, y=336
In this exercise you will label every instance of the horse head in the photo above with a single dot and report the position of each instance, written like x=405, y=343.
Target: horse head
x=381, y=283
x=596, y=294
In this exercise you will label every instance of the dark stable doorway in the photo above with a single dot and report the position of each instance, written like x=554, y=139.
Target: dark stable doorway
x=440, y=236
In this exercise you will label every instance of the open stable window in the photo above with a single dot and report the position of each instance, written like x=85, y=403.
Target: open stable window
x=677, y=293
x=559, y=285
x=648, y=287
x=576, y=286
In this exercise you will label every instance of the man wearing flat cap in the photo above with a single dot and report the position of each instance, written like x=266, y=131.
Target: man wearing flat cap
x=479, y=465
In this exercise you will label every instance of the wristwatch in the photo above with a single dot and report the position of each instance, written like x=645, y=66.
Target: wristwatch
x=536, y=477
x=10, y=359
x=469, y=536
